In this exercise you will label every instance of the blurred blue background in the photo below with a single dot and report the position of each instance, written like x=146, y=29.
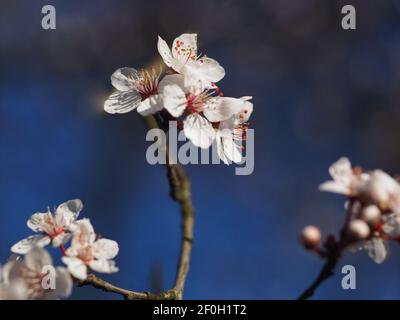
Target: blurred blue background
x=319, y=92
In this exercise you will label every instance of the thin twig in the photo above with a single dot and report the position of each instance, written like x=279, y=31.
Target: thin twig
x=180, y=191
x=326, y=272
x=332, y=254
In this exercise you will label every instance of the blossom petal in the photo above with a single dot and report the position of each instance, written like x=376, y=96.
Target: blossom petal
x=63, y=283
x=68, y=212
x=184, y=48
x=25, y=245
x=341, y=171
x=227, y=149
x=17, y=290
x=392, y=225
x=37, y=258
x=105, y=249
x=83, y=235
x=377, y=249
x=199, y=130
x=124, y=79
x=172, y=79
x=41, y=222
x=76, y=267
x=151, y=105
x=333, y=186
x=104, y=266
x=61, y=239
x=122, y=102
x=222, y=108
x=165, y=52
x=205, y=70
x=174, y=100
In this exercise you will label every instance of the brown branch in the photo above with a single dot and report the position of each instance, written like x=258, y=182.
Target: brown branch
x=180, y=191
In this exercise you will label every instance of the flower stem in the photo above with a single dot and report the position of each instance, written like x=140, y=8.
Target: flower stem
x=180, y=191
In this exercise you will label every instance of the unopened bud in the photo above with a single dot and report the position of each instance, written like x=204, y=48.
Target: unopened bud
x=358, y=229
x=371, y=214
x=310, y=237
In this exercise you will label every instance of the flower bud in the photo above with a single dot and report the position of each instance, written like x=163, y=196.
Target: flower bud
x=358, y=229
x=371, y=214
x=310, y=237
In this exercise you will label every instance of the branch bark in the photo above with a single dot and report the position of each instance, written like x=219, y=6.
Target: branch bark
x=180, y=191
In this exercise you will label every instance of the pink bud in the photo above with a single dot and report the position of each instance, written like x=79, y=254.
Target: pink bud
x=310, y=237
x=371, y=214
x=358, y=229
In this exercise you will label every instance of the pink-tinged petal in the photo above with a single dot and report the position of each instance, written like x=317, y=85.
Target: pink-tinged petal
x=204, y=70
x=105, y=249
x=122, y=102
x=184, y=48
x=151, y=105
x=199, y=130
x=174, y=100
x=228, y=150
x=76, y=267
x=165, y=52
x=377, y=249
x=221, y=108
x=37, y=258
x=61, y=239
x=103, y=266
x=124, y=79
x=25, y=245
x=83, y=235
x=68, y=212
x=41, y=222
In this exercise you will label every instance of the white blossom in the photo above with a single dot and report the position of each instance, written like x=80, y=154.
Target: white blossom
x=88, y=252
x=383, y=190
x=135, y=90
x=30, y=277
x=52, y=228
x=183, y=58
x=345, y=180
x=201, y=109
x=230, y=133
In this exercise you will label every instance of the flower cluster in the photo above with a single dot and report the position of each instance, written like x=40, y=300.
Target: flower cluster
x=34, y=277
x=373, y=209
x=189, y=94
